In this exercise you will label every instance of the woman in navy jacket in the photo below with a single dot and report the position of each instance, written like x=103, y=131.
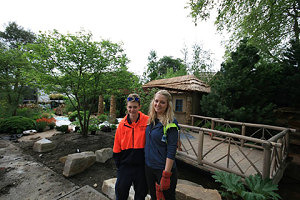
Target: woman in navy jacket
x=160, y=148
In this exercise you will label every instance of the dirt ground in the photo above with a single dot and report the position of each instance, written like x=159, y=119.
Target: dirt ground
x=97, y=173
x=70, y=143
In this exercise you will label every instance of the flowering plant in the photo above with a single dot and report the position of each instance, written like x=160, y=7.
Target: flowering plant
x=43, y=122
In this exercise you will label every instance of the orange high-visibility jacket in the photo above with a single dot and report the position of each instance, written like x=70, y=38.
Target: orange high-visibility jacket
x=130, y=141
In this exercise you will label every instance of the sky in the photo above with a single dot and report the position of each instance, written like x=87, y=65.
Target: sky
x=140, y=25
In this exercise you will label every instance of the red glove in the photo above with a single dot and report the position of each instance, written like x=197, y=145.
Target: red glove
x=165, y=180
x=159, y=193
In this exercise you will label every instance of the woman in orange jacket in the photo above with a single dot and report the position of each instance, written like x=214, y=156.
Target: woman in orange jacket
x=128, y=151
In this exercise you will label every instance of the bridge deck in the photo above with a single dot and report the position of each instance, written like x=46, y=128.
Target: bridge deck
x=233, y=157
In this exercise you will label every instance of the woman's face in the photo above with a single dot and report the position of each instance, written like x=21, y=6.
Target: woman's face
x=133, y=108
x=160, y=104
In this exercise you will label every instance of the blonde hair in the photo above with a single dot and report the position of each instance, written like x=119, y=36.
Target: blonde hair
x=168, y=116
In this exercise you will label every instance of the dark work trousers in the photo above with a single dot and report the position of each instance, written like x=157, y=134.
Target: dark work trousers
x=128, y=175
x=154, y=175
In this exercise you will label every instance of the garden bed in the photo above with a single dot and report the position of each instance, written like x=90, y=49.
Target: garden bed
x=71, y=143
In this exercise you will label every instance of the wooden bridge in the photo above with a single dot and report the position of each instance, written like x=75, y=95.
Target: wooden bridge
x=241, y=148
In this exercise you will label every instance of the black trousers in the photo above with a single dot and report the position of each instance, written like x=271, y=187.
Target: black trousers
x=154, y=175
x=128, y=175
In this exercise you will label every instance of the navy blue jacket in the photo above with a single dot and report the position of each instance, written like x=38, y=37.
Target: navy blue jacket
x=156, y=150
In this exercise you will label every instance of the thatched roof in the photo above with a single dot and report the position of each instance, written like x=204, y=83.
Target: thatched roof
x=180, y=83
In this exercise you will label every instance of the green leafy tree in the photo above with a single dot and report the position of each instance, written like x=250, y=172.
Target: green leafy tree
x=13, y=67
x=165, y=67
x=201, y=62
x=269, y=24
x=152, y=67
x=15, y=35
x=240, y=90
x=75, y=65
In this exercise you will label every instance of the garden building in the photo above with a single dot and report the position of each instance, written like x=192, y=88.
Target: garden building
x=186, y=91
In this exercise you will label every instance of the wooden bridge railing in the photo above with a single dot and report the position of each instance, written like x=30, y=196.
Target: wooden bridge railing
x=273, y=145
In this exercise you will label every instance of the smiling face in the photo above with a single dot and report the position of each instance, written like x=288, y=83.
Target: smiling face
x=160, y=104
x=133, y=108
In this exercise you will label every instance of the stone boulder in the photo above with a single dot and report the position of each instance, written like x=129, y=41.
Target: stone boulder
x=103, y=155
x=108, y=188
x=193, y=192
x=78, y=162
x=43, y=145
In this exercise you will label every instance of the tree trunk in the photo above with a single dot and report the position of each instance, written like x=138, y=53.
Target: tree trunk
x=112, y=112
x=100, y=105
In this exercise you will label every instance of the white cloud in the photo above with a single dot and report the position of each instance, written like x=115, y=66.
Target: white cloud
x=142, y=25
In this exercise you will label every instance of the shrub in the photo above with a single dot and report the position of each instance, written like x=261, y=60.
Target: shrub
x=40, y=126
x=102, y=117
x=63, y=128
x=72, y=116
x=42, y=123
x=254, y=187
x=56, y=96
x=46, y=115
x=113, y=127
x=29, y=112
x=105, y=128
x=16, y=124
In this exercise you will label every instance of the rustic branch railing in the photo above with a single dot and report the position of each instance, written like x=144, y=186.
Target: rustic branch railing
x=273, y=151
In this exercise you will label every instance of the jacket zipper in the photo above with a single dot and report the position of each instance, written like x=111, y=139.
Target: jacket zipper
x=132, y=137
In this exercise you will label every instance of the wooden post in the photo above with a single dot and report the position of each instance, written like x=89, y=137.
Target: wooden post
x=267, y=160
x=192, y=120
x=100, y=105
x=112, y=111
x=200, y=147
x=243, y=134
x=212, y=126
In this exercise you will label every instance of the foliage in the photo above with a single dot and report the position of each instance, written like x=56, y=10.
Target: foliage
x=254, y=187
x=56, y=96
x=146, y=98
x=43, y=122
x=268, y=24
x=242, y=90
x=222, y=128
x=16, y=124
x=165, y=67
x=63, y=128
x=102, y=118
x=76, y=66
x=14, y=67
x=41, y=125
x=113, y=127
x=105, y=128
x=74, y=115
x=201, y=63
x=31, y=112
x=14, y=35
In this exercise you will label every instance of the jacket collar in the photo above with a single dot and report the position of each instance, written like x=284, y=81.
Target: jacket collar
x=130, y=122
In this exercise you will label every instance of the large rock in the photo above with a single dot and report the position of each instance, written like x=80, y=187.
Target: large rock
x=78, y=162
x=103, y=155
x=43, y=145
x=193, y=192
x=108, y=188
